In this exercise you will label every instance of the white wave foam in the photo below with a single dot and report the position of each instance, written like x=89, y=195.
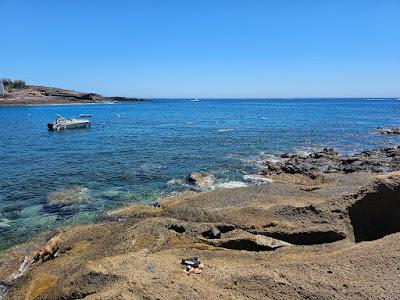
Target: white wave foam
x=225, y=130
x=257, y=179
x=269, y=157
x=303, y=153
x=175, y=181
x=229, y=185
x=5, y=222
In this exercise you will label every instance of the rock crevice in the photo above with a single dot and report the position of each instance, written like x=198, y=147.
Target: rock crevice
x=376, y=212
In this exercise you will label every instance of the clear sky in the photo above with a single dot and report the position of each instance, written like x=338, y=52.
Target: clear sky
x=205, y=48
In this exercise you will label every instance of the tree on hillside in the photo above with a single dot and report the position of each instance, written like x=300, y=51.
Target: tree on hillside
x=10, y=85
x=6, y=81
x=19, y=84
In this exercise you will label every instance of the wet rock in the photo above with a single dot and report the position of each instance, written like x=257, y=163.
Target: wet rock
x=5, y=222
x=329, y=161
x=200, y=180
x=108, y=218
x=273, y=166
x=389, y=131
x=30, y=211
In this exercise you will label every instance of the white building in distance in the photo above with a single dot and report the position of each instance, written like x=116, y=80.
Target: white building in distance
x=1, y=88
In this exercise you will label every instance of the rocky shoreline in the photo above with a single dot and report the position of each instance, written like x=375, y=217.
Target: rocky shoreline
x=329, y=161
x=42, y=95
x=327, y=227
x=389, y=131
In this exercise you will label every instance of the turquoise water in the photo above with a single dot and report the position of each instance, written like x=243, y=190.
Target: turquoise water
x=132, y=150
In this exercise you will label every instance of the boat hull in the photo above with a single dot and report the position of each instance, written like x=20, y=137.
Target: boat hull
x=77, y=125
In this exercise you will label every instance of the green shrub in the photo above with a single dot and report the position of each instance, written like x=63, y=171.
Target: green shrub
x=6, y=82
x=10, y=85
x=19, y=84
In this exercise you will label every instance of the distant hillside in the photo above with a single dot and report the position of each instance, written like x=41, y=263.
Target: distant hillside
x=18, y=93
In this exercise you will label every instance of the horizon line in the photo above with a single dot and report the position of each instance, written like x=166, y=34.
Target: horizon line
x=270, y=98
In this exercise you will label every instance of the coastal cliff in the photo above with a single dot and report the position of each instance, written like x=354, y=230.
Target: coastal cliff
x=43, y=95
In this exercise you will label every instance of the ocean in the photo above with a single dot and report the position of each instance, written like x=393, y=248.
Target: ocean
x=140, y=152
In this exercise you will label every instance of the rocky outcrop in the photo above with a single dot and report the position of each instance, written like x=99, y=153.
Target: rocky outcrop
x=389, y=131
x=199, y=179
x=39, y=95
x=273, y=241
x=329, y=161
x=375, y=210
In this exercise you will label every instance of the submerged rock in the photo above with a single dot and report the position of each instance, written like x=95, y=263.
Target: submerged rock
x=5, y=222
x=69, y=196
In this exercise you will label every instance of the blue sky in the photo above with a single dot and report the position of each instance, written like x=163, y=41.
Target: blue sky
x=205, y=48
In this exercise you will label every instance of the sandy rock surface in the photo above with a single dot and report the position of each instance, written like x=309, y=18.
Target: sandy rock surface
x=275, y=241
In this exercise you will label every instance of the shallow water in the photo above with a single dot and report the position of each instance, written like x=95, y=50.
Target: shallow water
x=132, y=150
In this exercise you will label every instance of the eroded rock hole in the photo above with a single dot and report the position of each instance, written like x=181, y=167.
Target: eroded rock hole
x=245, y=244
x=176, y=227
x=215, y=232
x=376, y=214
x=309, y=238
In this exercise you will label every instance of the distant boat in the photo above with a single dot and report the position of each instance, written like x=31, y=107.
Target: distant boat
x=195, y=100
x=62, y=123
x=86, y=115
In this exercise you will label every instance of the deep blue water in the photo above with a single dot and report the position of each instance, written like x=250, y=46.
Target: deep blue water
x=132, y=150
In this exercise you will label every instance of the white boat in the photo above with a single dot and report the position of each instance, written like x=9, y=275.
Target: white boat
x=195, y=100
x=62, y=123
x=85, y=115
